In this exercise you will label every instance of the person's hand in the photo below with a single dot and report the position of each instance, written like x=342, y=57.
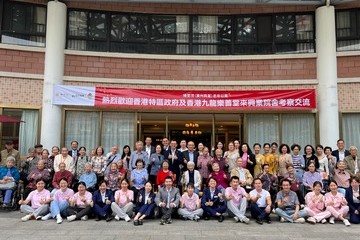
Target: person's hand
x=42, y=201
x=149, y=200
x=225, y=176
x=230, y=196
x=107, y=201
x=220, y=195
x=185, y=161
x=128, y=199
x=210, y=203
x=295, y=216
x=175, y=157
x=258, y=196
x=140, y=198
x=356, y=212
x=285, y=200
x=2, y=181
x=330, y=203
x=21, y=202
x=162, y=204
x=172, y=205
x=67, y=198
x=83, y=199
x=143, y=178
x=169, y=157
x=268, y=209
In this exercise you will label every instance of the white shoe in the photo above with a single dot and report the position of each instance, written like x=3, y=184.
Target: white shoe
x=323, y=221
x=71, y=218
x=46, y=217
x=59, y=219
x=127, y=218
x=236, y=219
x=246, y=220
x=196, y=218
x=311, y=220
x=300, y=220
x=332, y=220
x=282, y=219
x=346, y=222
x=26, y=218
x=117, y=218
x=84, y=218
x=38, y=217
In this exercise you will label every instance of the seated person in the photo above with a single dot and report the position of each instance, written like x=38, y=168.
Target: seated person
x=139, y=176
x=167, y=199
x=28, y=165
x=353, y=198
x=336, y=204
x=340, y=176
x=39, y=200
x=80, y=204
x=261, y=204
x=269, y=181
x=62, y=173
x=213, y=202
x=60, y=202
x=315, y=203
x=39, y=172
x=310, y=177
x=89, y=178
x=291, y=175
x=145, y=204
x=237, y=197
x=112, y=178
x=163, y=173
x=123, y=207
x=102, y=199
x=191, y=176
x=9, y=176
x=220, y=176
x=288, y=206
x=190, y=204
x=243, y=174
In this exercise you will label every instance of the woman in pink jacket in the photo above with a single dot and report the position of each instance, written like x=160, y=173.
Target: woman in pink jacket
x=315, y=204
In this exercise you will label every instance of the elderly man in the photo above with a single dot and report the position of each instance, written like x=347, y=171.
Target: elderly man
x=112, y=157
x=62, y=173
x=9, y=175
x=138, y=154
x=341, y=153
x=352, y=162
x=190, y=155
x=74, y=152
x=64, y=157
x=10, y=151
x=89, y=178
x=243, y=174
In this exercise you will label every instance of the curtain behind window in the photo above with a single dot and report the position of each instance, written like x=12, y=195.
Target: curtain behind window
x=28, y=131
x=351, y=129
x=262, y=128
x=298, y=128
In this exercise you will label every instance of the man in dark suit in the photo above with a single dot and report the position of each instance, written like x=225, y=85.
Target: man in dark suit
x=149, y=149
x=167, y=199
x=190, y=155
x=341, y=152
x=165, y=145
x=351, y=194
x=213, y=202
x=102, y=199
x=175, y=159
x=74, y=152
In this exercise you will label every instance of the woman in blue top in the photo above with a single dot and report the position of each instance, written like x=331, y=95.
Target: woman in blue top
x=9, y=176
x=139, y=176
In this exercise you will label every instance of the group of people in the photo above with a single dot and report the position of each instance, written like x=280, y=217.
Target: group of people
x=191, y=182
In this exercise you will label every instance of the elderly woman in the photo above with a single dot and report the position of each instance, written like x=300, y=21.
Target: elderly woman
x=39, y=199
x=102, y=199
x=99, y=163
x=353, y=198
x=60, y=202
x=336, y=204
x=9, y=175
x=113, y=178
x=145, y=204
x=204, y=163
x=89, y=178
x=220, y=176
x=62, y=173
x=191, y=176
x=48, y=162
x=315, y=203
x=139, y=176
x=28, y=165
x=80, y=204
x=163, y=173
x=156, y=159
x=39, y=172
x=231, y=156
x=80, y=163
x=123, y=206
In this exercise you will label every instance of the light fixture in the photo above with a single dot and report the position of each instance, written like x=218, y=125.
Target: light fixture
x=191, y=129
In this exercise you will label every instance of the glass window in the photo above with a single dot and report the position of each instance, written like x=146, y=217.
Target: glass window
x=24, y=24
x=262, y=128
x=348, y=30
x=82, y=127
x=298, y=128
x=350, y=128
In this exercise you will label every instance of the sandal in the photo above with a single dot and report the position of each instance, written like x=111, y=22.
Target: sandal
x=140, y=222
x=136, y=222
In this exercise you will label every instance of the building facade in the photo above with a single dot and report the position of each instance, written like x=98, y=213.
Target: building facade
x=167, y=46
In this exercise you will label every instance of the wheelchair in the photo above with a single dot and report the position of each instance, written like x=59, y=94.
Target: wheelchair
x=14, y=201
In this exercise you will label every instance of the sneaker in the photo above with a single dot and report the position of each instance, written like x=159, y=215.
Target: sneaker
x=168, y=221
x=196, y=218
x=236, y=219
x=38, y=217
x=332, y=220
x=282, y=219
x=302, y=206
x=323, y=221
x=59, y=219
x=259, y=221
x=162, y=222
x=117, y=218
x=71, y=218
x=127, y=218
x=346, y=222
x=311, y=220
x=299, y=220
x=221, y=218
x=26, y=218
x=84, y=218
x=46, y=217
x=246, y=220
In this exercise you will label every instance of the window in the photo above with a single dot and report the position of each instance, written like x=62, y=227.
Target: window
x=348, y=30
x=24, y=24
x=350, y=128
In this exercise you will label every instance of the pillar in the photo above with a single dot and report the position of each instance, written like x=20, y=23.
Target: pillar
x=327, y=92
x=53, y=73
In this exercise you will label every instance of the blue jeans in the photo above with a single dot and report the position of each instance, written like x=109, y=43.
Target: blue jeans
x=7, y=197
x=287, y=214
x=58, y=208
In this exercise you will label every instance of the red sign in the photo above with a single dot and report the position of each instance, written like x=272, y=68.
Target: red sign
x=203, y=99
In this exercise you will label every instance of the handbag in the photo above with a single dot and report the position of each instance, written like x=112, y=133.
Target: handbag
x=7, y=186
x=294, y=186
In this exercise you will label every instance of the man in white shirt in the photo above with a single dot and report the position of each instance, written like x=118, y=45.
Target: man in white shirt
x=64, y=158
x=261, y=204
x=183, y=147
x=148, y=148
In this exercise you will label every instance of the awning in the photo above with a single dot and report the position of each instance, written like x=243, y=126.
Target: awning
x=7, y=119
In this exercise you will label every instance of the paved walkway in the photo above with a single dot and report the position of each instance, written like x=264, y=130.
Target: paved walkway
x=11, y=227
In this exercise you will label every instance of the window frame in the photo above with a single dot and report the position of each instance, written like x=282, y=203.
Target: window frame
x=351, y=38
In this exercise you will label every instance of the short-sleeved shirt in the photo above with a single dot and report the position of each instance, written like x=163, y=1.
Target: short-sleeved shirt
x=237, y=193
x=190, y=203
x=60, y=196
x=292, y=199
x=35, y=197
x=79, y=203
x=122, y=196
x=261, y=202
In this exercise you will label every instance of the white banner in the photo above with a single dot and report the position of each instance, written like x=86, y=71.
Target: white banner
x=73, y=95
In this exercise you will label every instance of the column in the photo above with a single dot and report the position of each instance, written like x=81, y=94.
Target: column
x=53, y=73
x=327, y=97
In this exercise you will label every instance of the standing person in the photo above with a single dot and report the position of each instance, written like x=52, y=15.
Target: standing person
x=10, y=151
x=284, y=160
x=352, y=196
x=80, y=161
x=80, y=204
x=248, y=158
x=298, y=162
x=288, y=206
x=200, y=148
x=204, y=164
x=231, y=156
x=126, y=160
x=190, y=205
x=28, y=165
x=315, y=203
x=259, y=159
x=336, y=204
x=237, y=198
x=99, y=163
x=341, y=152
x=270, y=159
x=123, y=205
x=175, y=158
x=64, y=157
x=213, y=202
x=112, y=157
x=102, y=199
x=165, y=145
x=138, y=154
x=274, y=151
x=219, y=146
x=148, y=148
x=156, y=161
x=74, y=152
x=191, y=155
x=167, y=199
x=183, y=147
x=55, y=150
x=145, y=204
x=323, y=166
x=332, y=159
x=261, y=204
x=48, y=162
x=309, y=156
x=352, y=162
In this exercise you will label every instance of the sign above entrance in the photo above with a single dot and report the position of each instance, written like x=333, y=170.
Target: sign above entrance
x=191, y=99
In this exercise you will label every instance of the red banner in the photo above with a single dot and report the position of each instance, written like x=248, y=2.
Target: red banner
x=203, y=99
